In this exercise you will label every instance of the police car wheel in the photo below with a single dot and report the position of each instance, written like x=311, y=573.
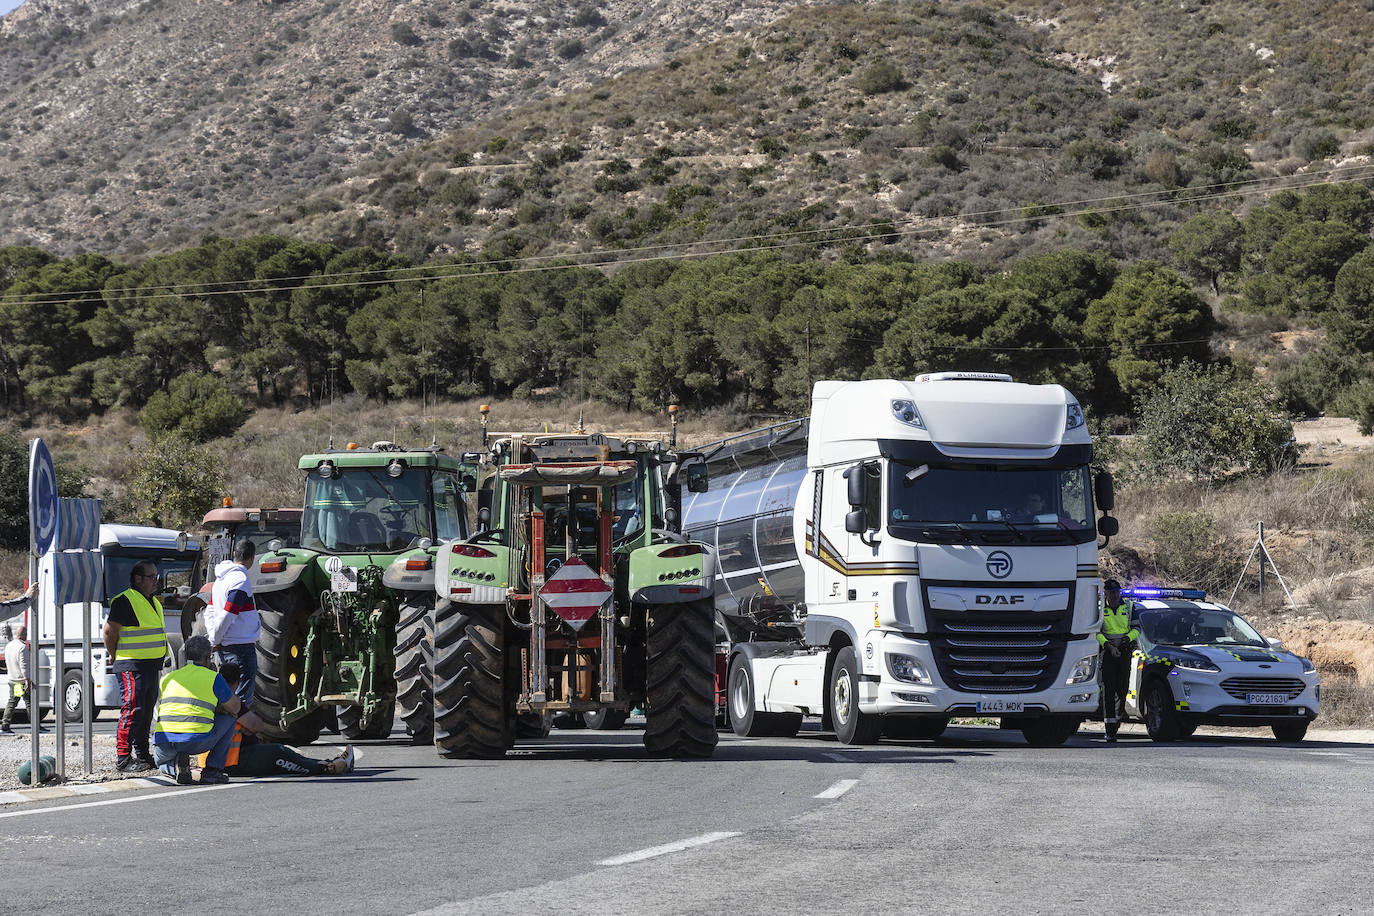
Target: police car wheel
x=1161, y=719
x=1290, y=731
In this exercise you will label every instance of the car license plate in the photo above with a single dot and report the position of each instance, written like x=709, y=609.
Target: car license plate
x=1001, y=705
x=1266, y=699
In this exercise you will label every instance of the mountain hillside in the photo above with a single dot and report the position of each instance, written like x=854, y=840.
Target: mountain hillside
x=522, y=128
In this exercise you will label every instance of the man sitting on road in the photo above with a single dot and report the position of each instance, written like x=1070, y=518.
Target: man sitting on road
x=250, y=757
x=196, y=712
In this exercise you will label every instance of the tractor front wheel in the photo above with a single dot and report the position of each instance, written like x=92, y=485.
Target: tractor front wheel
x=285, y=619
x=680, y=695
x=469, y=685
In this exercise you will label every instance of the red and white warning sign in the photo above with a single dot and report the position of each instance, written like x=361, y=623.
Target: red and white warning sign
x=575, y=593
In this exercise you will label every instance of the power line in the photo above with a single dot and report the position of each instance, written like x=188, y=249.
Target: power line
x=882, y=230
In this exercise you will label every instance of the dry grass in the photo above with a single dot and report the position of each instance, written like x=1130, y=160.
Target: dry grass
x=1346, y=704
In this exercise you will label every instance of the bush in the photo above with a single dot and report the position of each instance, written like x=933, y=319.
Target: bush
x=174, y=483
x=1187, y=545
x=1315, y=143
x=196, y=406
x=404, y=34
x=882, y=76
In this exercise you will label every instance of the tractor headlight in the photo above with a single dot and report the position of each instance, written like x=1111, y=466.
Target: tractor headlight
x=395, y=468
x=1195, y=663
x=1083, y=671
x=325, y=469
x=906, y=668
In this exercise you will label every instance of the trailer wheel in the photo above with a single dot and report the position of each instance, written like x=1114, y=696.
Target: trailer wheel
x=1161, y=719
x=914, y=728
x=851, y=725
x=1048, y=731
x=606, y=720
x=745, y=719
x=285, y=618
x=415, y=666
x=352, y=726
x=680, y=690
x=74, y=692
x=469, y=687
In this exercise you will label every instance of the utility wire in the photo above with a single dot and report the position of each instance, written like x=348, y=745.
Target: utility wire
x=831, y=235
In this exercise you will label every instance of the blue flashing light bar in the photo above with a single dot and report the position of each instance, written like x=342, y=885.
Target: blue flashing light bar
x=1150, y=591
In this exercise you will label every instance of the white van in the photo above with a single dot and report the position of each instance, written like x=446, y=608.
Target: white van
x=121, y=546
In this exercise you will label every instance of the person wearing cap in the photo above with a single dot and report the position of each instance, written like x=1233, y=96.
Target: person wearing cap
x=135, y=636
x=196, y=712
x=1115, y=638
x=250, y=757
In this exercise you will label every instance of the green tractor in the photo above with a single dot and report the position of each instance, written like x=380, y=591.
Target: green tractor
x=347, y=617
x=579, y=596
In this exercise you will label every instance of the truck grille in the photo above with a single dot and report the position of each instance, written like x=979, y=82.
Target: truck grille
x=997, y=651
x=1238, y=687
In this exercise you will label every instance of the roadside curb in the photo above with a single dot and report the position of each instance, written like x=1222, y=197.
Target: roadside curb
x=49, y=793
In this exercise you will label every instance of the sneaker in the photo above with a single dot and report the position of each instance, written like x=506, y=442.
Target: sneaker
x=183, y=769
x=342, y=763
x=6, y=730
x=148, y=759
x=212, y=776
x=132, y=765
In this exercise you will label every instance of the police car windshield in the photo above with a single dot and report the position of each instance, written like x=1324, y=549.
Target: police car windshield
x=1197, y=626
x=925, y=498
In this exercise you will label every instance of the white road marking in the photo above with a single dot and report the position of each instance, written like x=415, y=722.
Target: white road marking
x=127, y=799
x=1330, y=754
x=838, y=789
x=666, y=848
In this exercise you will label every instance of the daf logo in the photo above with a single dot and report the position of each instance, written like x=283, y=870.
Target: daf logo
x=999, y=564
x=998, y=599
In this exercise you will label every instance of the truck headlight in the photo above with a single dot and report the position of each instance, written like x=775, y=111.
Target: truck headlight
x=906, y=668
x=1195, y=663
x=1083, y=671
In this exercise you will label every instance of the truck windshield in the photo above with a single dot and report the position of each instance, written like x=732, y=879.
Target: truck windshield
x=1195, y=626
x=364, y=510
x=953, y=503
x=173, y=577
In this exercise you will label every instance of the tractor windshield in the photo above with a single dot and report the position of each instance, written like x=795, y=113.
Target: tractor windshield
x=364, y=510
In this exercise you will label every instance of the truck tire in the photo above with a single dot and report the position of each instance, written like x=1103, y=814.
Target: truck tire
x=745, y=719
x=606, y=720
x=470, y=719
x=680, y=681
x=284, y=617
x=415, y=666
x=1049, y=731
x=914, y=728
x=1161, y=719
x=851, y=725
x=352, y=726
x=1290, y=732
x=74, y=693
x=533, y=725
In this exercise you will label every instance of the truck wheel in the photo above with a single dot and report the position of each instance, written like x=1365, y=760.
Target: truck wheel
x=352, y=726
x=1161, y=719
x=74, y=693
x=1290, y=732
x=285, y=620
x=851, y=725
x=533, y=725
x=1048, y=731
x=606, y=720
x=745, y=719
x=415, y=666
x=469, y=687
x=680, y=690
x=914, y=728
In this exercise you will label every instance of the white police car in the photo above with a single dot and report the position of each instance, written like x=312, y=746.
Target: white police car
x=1200, y=663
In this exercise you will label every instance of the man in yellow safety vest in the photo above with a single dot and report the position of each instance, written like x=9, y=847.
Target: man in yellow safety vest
x=136, y=638
x=196, y=712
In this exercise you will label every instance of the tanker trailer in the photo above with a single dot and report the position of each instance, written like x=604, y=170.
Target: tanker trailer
x=911, y=552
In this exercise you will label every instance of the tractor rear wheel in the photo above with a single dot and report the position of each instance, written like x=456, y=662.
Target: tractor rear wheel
x=415, y=665
x=680, y=694
x=352, y=726
x=469, y=685
x=285, y=619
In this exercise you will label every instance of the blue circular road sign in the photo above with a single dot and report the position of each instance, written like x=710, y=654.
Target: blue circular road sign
x=42, y=497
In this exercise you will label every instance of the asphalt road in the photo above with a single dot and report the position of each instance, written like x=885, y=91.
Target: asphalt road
x=582, y=822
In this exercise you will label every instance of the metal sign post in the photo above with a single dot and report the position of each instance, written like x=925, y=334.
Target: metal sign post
x=1263, y=552
x=80, y=580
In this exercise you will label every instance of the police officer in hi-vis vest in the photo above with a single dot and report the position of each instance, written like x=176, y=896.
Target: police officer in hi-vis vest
x=1115, y=638
x=136, y=638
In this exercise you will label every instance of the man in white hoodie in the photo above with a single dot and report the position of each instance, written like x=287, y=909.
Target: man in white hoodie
x=231, y=619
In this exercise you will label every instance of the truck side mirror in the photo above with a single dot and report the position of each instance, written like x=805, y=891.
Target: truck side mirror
x=858, y=491
x=854, y=522
x=697, y=478
x=1102, y=488
x=1108, y=526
